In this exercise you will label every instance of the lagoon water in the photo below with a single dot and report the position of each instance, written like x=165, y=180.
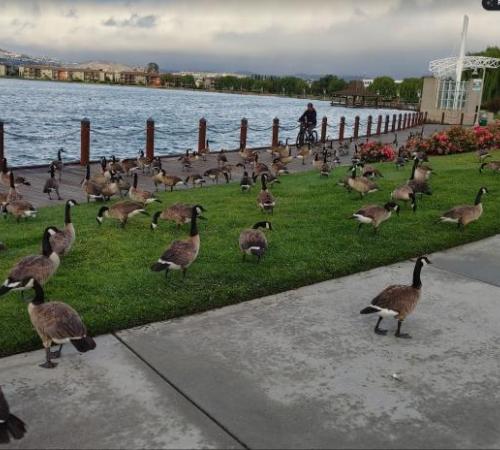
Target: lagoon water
x=41, y=117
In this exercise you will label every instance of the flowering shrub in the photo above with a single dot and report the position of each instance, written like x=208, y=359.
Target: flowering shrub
x=373, y=151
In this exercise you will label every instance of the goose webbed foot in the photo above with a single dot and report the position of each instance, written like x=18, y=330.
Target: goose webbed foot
x=57, y=353
x=48, y=365
x=399, y=334
x=378, y=330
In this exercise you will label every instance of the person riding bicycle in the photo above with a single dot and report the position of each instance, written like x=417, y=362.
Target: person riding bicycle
x=308, y=119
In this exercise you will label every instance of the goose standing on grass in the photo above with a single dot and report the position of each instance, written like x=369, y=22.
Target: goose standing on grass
x=405, y=194
x=374, y=215
x=58, y=163
x=12, y=195
x=121, y=211
x=492, y=165
x=112, y=187
x=221, y=158
x=52, y=185
x=398, y=300
x=180, y=213
x=140, y=196
x=420, y=187
x=20, y=209
x=58, y=323
x=464, y=214
x=215, y=173
x=196, y=180
x=265, y=200
x=422, y=172
x=181, y=254
x=11, y=426
x=167, y=180
x=362, y=185
x=253, y=241
x=63, y=240
x=40, y=267
x=325, y=168
x=246, y=182
x=304, y=152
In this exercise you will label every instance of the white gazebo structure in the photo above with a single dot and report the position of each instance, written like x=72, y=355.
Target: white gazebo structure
x=452, y=97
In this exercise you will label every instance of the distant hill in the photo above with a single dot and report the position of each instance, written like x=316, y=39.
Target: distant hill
x=106, y=66
x=19, y=59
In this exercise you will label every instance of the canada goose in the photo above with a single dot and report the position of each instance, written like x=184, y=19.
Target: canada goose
x=483, y=154
x=20, y=209
x=248, y=156
x=11, y=426
x=317, y=162
x=215, y=173
x=205, y=151
x=398, y=300
x=371, y=172
x=286, y=157
x=115, y=165
x=91, y=189
x=405, y=194
x=58, y=163
x=375, y=214
x=41, y=267
x=304, y=152
x=180, y=213
x=492, y=165
x=229, y=168
x=121, y=211
x=400, y=160
x=422, y=172
x=279, y=168
x=143, y=163
x=258, y=167
x=464, y=214
x=140, y=196
x=112, y=187
x=325, y=169
x=196, y=180
x=265, y=200
x=270, y=178
x=221, y=158
x=156, y=165
x=100, y=179
x=56, y=323
x=186, y=161
x=253, y=241
x=361, y=185
x=167, y=180
x=63, y=240
x=129, y=166
x=5, y=176
x=420, y=187
x=246, y=182
x=52, y=185
x=181, y=254
x=13, y=194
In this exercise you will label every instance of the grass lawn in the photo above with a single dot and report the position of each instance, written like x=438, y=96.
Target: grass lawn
x=107, y=278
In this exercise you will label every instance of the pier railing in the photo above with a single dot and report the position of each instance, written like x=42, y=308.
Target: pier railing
x=327, y=132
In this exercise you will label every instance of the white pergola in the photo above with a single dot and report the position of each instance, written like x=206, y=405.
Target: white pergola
x=447, y=67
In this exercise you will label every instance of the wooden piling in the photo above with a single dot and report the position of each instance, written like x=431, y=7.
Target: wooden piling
x=202, y=134
x=379, y=125
x=393, y=126
x=462, y=118
x=386, y=125
x=2, y=151
x=442, y=118
x=276, y=132
x=400, y=119
x=356, y=128
x=243, y=133
x=369, y=126
x=324, y=124
x=404, y=121
x=84, y=142
x=150, y=139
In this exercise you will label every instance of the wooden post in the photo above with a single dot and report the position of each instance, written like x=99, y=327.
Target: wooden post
x=462, y=118
x=442, y=118
x=150, y=139
x=243, y=133
x=2, y=151
x=386, y=125
x=400, y=119
x=414, y=122
x=393, y=126
x=84, y=142
x=369, y=126
x=356, y=128
x=379, y=125
x=404, y=121
x=202, y=134
x=425, y=117
x=342, y=129
x=324, y=124
x=276, y=132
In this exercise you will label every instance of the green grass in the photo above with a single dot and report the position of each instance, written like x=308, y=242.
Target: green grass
x=107, y=279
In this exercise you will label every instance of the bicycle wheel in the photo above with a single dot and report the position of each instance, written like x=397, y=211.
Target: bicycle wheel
x=315, y=137
x=299, y=142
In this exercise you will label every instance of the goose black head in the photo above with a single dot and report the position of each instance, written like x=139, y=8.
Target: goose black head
x=423, y=260
x=72, y=202
x=103, y=211
x=392, y=206
x=484, y=190
x=199, y=210
x=264, y=224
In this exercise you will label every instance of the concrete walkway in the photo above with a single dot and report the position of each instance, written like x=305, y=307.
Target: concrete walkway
x=301, y=369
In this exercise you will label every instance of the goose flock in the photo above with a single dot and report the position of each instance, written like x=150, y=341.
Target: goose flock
x=58, y=323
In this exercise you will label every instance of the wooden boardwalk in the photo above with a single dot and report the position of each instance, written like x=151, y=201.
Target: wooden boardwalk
x=73, y=174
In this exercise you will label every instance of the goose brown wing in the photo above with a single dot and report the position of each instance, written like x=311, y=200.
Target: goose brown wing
x=59, y=321
x=266, y=197
x=458, y=211
x=60, y=241
x=128, y=207
x=252, y=238
x=38, y=266
x=370, y=211
x=181, y=253
x=392, y=297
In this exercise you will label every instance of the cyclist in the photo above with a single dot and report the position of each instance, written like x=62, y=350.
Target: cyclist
x=308, y=119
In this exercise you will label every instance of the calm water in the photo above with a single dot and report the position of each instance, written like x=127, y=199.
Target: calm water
x=41, y=117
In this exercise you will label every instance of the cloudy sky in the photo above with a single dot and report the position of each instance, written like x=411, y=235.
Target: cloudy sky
x=362, y=37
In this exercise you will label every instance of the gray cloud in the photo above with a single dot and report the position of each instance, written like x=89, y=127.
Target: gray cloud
x=134, y=20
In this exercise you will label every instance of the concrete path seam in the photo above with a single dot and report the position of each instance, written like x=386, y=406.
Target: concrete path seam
x=183, y=394
x=462, y=275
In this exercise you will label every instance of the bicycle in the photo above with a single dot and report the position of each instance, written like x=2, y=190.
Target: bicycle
x=306, y=136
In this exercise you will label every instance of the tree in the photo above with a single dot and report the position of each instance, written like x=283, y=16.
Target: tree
x=328, y=84
x=384, y=86
x=152, y=67
x=410, y=88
